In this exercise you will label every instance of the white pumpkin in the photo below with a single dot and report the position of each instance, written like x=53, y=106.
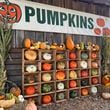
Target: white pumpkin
x=83, y=64
x=46, y=77
x=47, y=56
x=31, y=68
x=60, y=86
x=94, y=90
x=106, y=95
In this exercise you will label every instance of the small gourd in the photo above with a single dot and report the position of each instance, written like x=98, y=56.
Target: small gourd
x=69, y=43
x=15, y=91
x=43, y=45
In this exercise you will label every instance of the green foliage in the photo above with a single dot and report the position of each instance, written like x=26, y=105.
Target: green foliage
x=105, y=53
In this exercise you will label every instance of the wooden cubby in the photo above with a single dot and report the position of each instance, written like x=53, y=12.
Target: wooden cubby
x=85, y=66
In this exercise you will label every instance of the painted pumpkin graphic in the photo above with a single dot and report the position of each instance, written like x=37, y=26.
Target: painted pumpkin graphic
x=10, y=11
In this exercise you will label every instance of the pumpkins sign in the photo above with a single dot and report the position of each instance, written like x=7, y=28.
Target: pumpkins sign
x=10, y=11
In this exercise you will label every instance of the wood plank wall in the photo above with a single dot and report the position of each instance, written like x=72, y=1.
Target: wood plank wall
x=14, y=64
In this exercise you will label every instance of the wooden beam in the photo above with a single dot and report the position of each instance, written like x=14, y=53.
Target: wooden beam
x=102, y=2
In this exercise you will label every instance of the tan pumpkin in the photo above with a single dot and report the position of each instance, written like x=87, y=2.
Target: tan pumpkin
x=30, y=55
x=69, y=43
x=46, y=77
x=27, y=43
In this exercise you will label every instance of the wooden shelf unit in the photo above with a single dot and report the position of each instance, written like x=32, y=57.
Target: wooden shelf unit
x=82, y=81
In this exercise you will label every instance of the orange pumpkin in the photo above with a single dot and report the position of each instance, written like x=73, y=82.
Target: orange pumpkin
x=69, y=43
x=100, y=22
x=30, y=90
x=84, y=91
x=47, y=66
x=73, y=64
x=46, y=99
x=72, y=55
x=60, y=75
x=72, y=84
x=27, y=43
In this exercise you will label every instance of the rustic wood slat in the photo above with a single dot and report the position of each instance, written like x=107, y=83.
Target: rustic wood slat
x=68, y=4
x=16, y=50
x=14, y=39
x=29, y=34
x=57, y=38
x=61, y=3
x=39, y=36
x=15, y=56
x=14, y=72
x=58, y=3
x=75, y=5
x=14, y=61
x=48, y=37
x=16, y=79
x=19, y=39
x=92, y=8
x=13, y=67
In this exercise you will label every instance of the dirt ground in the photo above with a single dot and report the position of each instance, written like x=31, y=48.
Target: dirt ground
x=83, y=103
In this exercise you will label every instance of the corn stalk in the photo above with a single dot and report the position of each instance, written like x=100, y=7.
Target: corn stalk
x=5, y=45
